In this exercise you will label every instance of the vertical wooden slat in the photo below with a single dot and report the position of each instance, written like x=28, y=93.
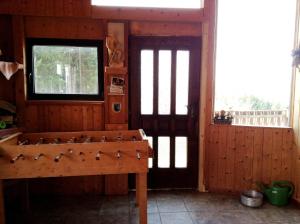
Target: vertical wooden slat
x=31, y=118
x=213, y=153
x=54, y=119
x=98, y=117
x=221, y=157
x=239, y=158
x=276, y=154
x=66, y=113
x=287, y=155
x=267, y=155
x=248, y=159
x=258, y=154
x=230, y=158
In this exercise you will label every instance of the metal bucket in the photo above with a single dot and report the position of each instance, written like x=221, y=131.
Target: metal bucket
x=252, y=198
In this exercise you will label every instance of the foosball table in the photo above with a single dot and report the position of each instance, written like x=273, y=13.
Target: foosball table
x=62, y=154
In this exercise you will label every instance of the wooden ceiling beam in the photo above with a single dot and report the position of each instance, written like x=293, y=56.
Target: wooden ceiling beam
x=83, y=8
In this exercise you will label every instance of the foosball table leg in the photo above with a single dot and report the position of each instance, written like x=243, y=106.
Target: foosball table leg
x=141, y=191
x=2, y=211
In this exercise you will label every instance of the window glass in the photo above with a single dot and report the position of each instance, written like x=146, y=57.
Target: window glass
x=194, y=4
x=182, y=81
x=147, y=82
x=164, y=82
x=181, y=151
x=253, y=60
x=163, y=152
x=65, y=70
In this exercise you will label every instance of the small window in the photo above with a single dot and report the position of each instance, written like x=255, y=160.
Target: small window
x=187, y=4
x=64, y=69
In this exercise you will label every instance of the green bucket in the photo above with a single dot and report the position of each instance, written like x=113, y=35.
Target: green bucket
x=279, y=192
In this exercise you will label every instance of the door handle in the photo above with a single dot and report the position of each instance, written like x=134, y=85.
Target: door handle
x=191, y=110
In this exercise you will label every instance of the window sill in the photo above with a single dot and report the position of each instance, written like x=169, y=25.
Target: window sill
x=248, y=126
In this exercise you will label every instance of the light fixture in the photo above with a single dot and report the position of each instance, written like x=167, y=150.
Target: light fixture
x=9, y=68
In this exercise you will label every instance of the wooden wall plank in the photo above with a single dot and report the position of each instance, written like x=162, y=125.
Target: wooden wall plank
x=267, y=155
x=239, y=158
x=258, y=154
x=248, y=158
x=221, y=159
x=287, y=155
x=49, y=27
x=71, y=8
x=230, y=158
x=148, y=14
x=213, y=153
x=165, y=29
x=276, y=154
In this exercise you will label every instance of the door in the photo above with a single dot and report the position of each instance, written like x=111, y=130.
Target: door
x=164, y=101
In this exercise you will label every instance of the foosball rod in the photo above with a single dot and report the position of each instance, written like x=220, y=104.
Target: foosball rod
x=87, y=139
x=58, y=157
x=25, y=142
x=39, y=156
x=20, y=156
x=40, y=141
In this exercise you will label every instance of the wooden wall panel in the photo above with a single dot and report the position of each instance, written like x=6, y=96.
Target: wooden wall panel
x=165, y=29
x=67, y=117
x=71, y=28
x=239, y=156
x=74, y=8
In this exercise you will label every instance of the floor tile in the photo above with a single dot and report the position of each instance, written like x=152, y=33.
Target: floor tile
x=176, y=218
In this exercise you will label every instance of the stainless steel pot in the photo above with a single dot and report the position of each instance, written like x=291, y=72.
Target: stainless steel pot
x=252, y=198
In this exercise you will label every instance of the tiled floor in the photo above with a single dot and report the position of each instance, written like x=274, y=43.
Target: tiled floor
x=164, y=207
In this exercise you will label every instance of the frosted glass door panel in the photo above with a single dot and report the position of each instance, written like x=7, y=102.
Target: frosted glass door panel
x=163, y=152
x=182, y=81
x=150, y=160
x=147, y=82
x=181, y=152
x=164, y=82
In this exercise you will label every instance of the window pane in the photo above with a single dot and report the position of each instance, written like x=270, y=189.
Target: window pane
x=164, y=82
x=146, y=82
x=150, y=160
x=163, y=152
x=181, y=152
x=65, y=70
x=253, y=63
x=182, y=81
x=194, y=4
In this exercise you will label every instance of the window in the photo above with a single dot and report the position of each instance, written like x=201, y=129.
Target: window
x=187, y=4
x=64, y=69
x=253, y=60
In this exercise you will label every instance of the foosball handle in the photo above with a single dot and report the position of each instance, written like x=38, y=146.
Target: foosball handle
x=119, y=154
x=20, y=156
x=98, y=155
x=40, y=141
x=38, y=156
x=23, y=142
x=138, y=154
x=58, y=157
